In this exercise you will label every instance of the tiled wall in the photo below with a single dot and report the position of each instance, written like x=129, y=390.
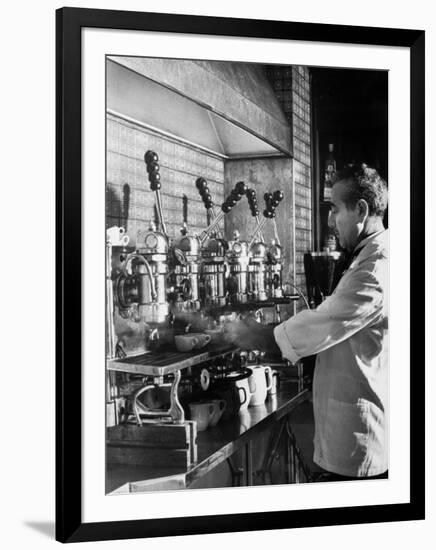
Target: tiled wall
x=302, y=169
x=129, y=201
x=292, y=89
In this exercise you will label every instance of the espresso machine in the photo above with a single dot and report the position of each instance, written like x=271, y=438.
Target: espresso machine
x=213, y=271
x=152, y=260
x=143, y=280
x=238, y=260
x=275, y=251
x=116, y=245
x=220, y=259
x=275, y=270
x=257, y=272
x=186, y=256
x=265, y=269
x=159, y=279
x=237, y=257
x=257, y=254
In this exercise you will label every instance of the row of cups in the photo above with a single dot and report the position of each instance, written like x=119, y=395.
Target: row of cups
x=236, y=397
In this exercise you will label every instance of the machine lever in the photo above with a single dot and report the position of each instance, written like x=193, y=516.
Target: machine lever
x=151, y=161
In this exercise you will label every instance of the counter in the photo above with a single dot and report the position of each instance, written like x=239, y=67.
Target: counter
x=214, y=446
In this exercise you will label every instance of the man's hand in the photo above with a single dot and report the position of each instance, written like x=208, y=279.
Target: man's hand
x=251, y=335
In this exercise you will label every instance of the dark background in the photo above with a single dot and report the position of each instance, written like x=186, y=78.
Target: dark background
x=350, y=110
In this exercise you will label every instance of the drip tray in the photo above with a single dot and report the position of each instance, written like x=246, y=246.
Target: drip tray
x=159, y=363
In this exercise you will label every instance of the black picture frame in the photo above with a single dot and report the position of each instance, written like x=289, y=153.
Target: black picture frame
x=69, y=22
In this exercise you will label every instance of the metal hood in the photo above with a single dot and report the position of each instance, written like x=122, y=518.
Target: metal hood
x=243, y=121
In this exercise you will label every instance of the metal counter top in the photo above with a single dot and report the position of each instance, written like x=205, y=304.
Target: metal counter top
x=162, y=362
x=214, y=446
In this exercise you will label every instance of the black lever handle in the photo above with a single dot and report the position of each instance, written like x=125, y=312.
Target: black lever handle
x=203, y=189
x=252, y=202
x=277, y=198
x=236, y=194
x=272, y=200
x=152, y=163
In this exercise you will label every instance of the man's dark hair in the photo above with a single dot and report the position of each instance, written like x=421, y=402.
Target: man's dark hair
x=363, y=182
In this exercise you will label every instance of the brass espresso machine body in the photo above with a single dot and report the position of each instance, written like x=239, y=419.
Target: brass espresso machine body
x=214, y=271
x=274, y=270
x=142, y=284
x=186, y=292
x=152, y=245
x=224, y=264
x=238, y=260
x=266, y=263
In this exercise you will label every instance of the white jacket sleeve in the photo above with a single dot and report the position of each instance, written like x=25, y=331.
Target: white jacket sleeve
x=356, y=303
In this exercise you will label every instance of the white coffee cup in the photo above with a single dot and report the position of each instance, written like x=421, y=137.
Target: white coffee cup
x=244, y=385
x=202, y=414
x=216, y=335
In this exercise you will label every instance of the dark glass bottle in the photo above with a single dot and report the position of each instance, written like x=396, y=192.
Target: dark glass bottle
x=329, y=172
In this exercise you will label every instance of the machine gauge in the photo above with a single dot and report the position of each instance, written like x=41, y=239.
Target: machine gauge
x=151, y=241
x=237, y=248
x=204, y=379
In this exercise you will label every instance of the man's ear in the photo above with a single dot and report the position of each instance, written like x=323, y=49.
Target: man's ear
x=362, y=209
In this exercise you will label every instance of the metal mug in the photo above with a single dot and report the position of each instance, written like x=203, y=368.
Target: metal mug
x=260, y=382
x=275, y=378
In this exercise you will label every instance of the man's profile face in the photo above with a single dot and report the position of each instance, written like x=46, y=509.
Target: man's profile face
x=344, y=220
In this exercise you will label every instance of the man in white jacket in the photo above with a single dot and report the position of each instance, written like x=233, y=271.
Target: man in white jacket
x=349, y=334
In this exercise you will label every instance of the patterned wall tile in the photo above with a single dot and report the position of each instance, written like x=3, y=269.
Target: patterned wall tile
x=129, y=199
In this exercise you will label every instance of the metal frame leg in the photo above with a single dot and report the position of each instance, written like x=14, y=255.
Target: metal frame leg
x=249, y=463
x=271, y=453
x=297, y=463
x=237, y=473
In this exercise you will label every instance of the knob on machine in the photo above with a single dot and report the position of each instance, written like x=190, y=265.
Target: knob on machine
x=204, y=379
